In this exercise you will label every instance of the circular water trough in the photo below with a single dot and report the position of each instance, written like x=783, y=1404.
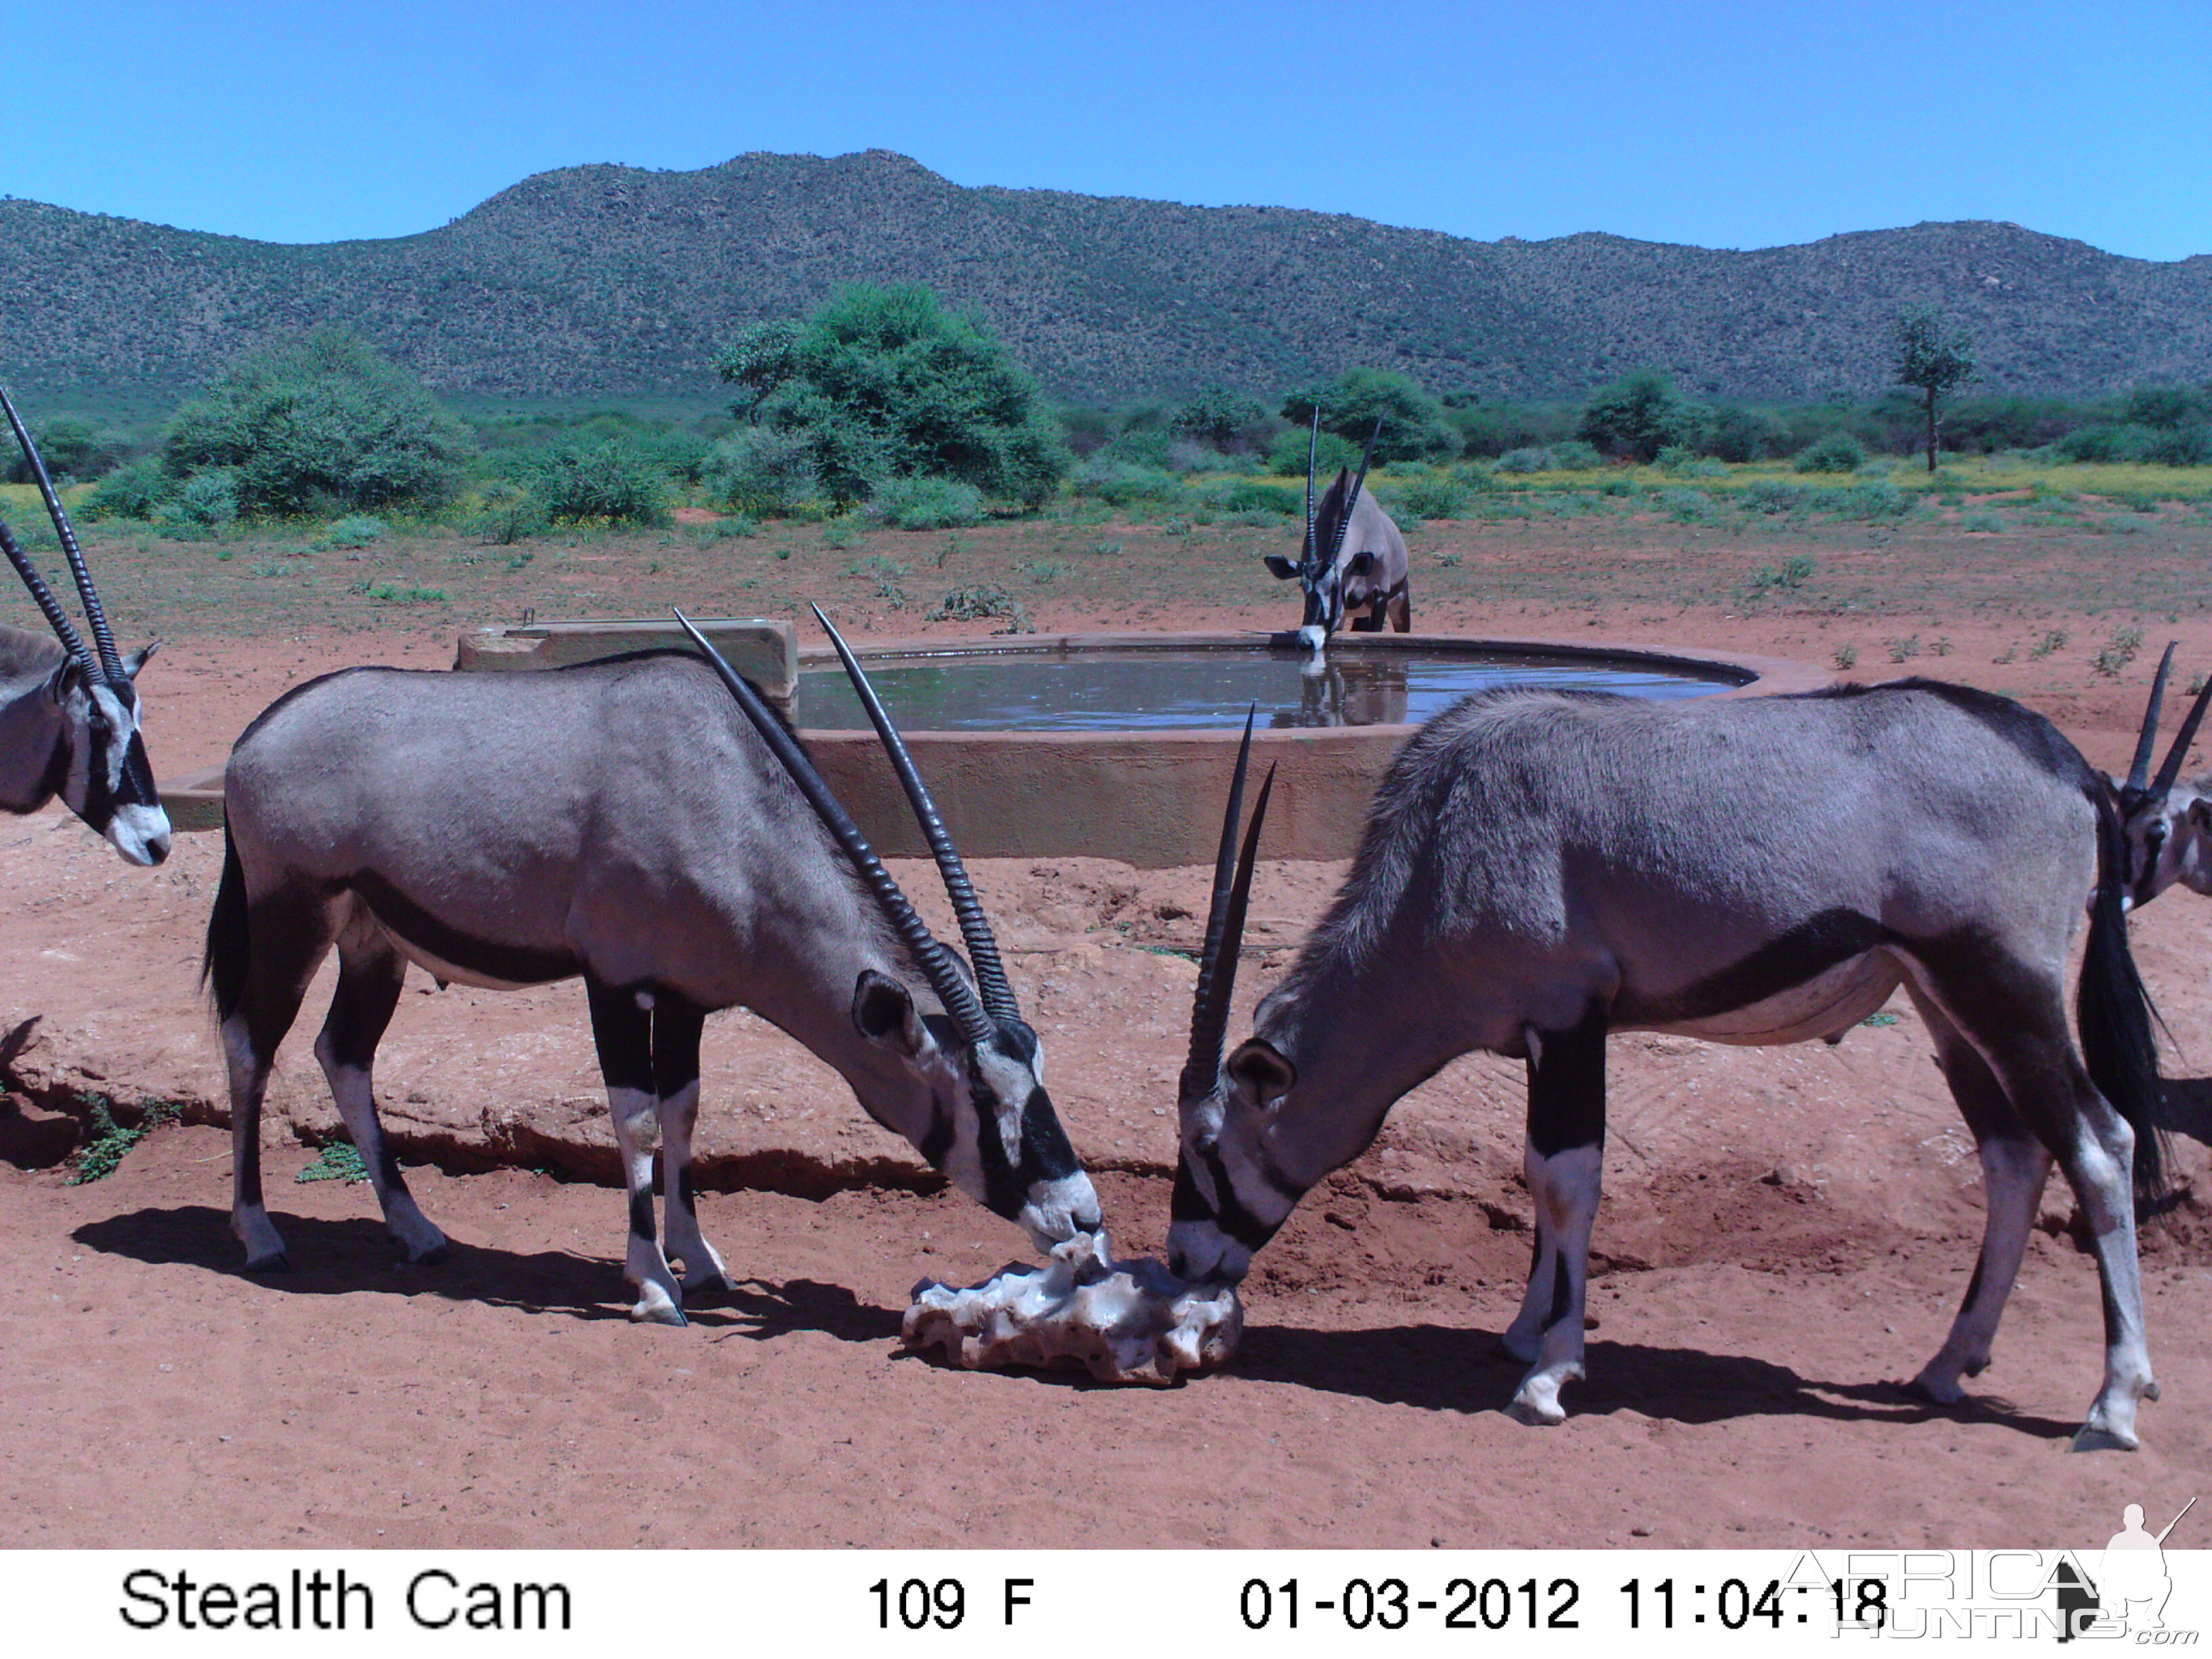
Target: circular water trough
x=1083, y=777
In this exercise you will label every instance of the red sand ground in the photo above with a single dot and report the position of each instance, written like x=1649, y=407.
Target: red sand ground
x=1786, y=1235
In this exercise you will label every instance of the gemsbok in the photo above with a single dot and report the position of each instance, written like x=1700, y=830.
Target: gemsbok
x=621, y=821
x=2168, y=819
x=1363, y=578
x=1539, y=868
x=69, y=712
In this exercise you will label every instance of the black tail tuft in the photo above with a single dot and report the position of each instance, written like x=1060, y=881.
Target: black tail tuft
x=223, y=963
x=2113, y=1009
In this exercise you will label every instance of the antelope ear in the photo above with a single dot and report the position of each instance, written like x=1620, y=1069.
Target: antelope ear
x=884, y=1013
x=1281, y=568
x=137, y=660
x=1361, y=562
x=2200, y=813
x=1257, y=1066
x=65, y=679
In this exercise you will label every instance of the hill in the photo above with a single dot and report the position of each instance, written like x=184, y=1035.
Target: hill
x=616, y=284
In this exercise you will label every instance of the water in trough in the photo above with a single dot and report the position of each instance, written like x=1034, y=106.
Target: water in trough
x=1059, y=690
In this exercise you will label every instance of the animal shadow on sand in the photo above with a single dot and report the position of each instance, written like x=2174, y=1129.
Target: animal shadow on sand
x=1446, y=1368
x=340, y=1258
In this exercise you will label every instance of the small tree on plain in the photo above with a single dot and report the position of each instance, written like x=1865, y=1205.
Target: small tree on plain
x=759, y=360
x=1642, y=414
x=1935, y=359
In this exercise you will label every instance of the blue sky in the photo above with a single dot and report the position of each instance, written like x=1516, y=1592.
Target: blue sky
x=1726, y=125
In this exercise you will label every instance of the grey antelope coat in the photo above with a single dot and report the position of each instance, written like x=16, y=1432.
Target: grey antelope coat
x=625, y=822
x=1541, y=868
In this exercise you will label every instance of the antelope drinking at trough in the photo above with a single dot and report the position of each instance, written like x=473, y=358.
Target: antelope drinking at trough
x=621, y=821
x=70, y=712
x=1362, y=576
x=1541, y=868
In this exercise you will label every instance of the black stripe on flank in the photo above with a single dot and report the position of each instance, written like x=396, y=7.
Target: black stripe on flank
x=640, y=1215
x=512, y=964
x=1803, y=954
x=1566, y=1087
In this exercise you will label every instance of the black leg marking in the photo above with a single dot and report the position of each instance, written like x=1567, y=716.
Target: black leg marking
x=623, y=1033
x=1562, y=1291
x=640, y=1217
x=1566, y=1087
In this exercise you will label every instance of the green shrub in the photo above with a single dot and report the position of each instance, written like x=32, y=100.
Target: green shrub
x=1573, y=455
x=612, y=481
x=321, y=424
x=1686, y=506
x=1246, y=496
x=1530, y=459
x=2183, y=445
x=1147, y=447
x=1286, y=454
x=1220, y=417
x=207, y=502
x=1415, y=427
x=984, y=601
x=135, y=491
x=1107, y=478
x=1773, y=496
x=506, y=513
x=889, y=384
x=760, y=470
x=356, y=532
x=926, y=503
x=1839, y=452
x=74, y=452
x=1426, y=498
x=1737, y=433
x=2105, y=441
x=1641, y=414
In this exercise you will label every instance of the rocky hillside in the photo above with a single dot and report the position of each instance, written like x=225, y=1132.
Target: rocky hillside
x=616, y=283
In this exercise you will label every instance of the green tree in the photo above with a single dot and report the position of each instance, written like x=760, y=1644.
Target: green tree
x=1415, y=427
x=319, y=424
x=888, y=383
x=1219, y=417
x=1641, y=414
x=759, y=360
x=1933, y=358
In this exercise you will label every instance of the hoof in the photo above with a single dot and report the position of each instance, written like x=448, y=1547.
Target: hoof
x=278, y=1263
x=1935, y=1394
x=653, y=1307
x=1535, y=1413
x=2090, y=1438
x=436, y=1256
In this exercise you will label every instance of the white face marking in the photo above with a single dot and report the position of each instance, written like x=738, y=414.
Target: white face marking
x=1313, y=637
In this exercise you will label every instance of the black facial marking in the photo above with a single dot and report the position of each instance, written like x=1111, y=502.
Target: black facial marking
x=936, y=1143
x=1046, y=1154
x=1566, y=1088
x=1185, y=1201
x=514, y=964
x=1233, y=1219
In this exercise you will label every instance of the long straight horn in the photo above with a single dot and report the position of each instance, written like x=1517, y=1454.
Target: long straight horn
x=2179, y=752
x=57, y=618
x=111, y=665
x=975, y=928
x=2139, y=772
x=1312, y=451
x=1344, y=512
x=952, y=990
x=1224, y=930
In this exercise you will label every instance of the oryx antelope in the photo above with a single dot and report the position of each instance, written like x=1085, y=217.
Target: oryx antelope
x=621, y=821
x=1539, y=868
x=2168, y=819
x=69, y=712
x=1364, y=575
